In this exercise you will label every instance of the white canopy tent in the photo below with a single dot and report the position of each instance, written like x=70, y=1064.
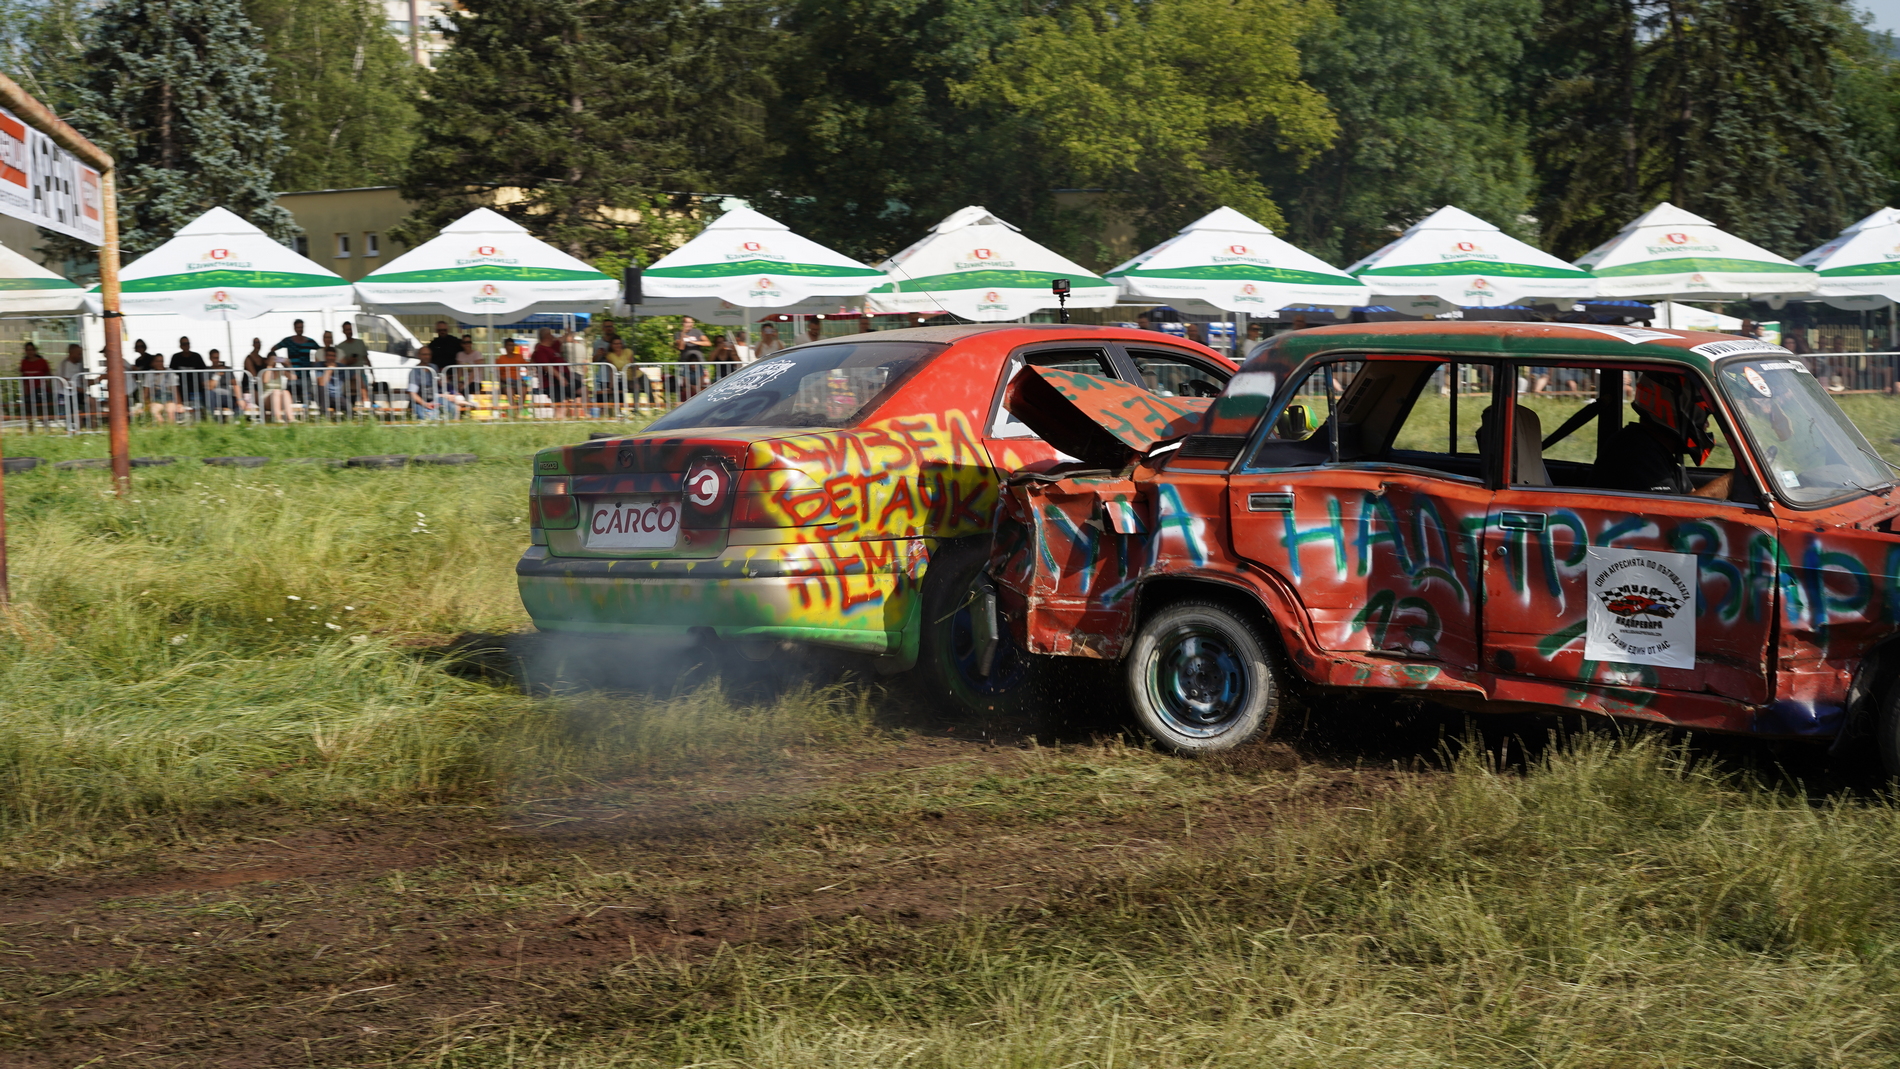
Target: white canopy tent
x=1226, y=262
x=486, y=266
x=1460, y=259
x=220, y=267
x=1860, y=269
x=1668, y=252
x=978, y=267
x=27, y=289
x=746, y=260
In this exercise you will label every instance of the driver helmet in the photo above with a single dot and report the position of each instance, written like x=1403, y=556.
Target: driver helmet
x=1683, y=414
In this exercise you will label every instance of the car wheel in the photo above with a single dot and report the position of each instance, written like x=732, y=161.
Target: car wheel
x=966, y=655
x=1201, y=678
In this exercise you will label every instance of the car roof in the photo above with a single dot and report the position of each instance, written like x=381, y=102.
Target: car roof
x=958, y=332
x=1694, y=348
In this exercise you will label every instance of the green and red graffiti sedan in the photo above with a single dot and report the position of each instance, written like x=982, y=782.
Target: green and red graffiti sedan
x=1658, y=524
x=840, y=493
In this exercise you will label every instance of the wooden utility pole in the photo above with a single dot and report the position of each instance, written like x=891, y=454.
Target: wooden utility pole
x=39, y=117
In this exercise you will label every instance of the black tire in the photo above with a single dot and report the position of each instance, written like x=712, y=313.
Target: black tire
x=237, y=462
x=394, y=460
x=1202, y=678
x=445, y=458
x=18, y=464
x=948, y=656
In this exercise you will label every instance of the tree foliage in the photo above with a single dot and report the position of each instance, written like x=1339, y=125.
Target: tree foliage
x=178, y=92
x=870, y=147
x=1426, y=97
x=1732, y=109
x=592, y=122
x=1168, y=104
x=347, y=88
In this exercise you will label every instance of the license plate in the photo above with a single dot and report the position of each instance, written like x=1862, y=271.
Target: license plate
x=649, y=521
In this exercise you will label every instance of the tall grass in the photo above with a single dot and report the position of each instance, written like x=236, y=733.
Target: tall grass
x=228, y=637
x=1615, y=906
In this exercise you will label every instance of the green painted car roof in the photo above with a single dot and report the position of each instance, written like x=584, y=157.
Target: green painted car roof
x=1691, y=348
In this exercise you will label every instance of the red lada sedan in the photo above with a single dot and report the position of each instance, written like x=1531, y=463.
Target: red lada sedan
x=1681, y=527
x=840, y=493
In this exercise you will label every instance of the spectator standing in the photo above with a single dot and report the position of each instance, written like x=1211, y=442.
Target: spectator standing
x=768, y=341
x=741, y=345
x=38, y=395
x=73, y=370
x=691, y=343
x=141, y=356
x=609, y=333
x=724, y=351
x=814, y=328
x=444, y=347
x=300, y=347
x=352, y=351
x=552, y=365
x=187, y=365
x=513, y=378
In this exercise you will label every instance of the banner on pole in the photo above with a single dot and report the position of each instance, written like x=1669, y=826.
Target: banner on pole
x=46, y=185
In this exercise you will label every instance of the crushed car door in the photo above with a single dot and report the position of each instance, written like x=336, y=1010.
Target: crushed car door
x=1366, y=495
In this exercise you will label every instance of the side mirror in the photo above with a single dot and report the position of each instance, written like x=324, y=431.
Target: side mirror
x=1295, y=422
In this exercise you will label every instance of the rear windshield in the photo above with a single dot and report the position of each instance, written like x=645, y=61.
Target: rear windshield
x=832, y=385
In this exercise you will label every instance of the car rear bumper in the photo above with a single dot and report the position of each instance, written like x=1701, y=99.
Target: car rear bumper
x=860, y=596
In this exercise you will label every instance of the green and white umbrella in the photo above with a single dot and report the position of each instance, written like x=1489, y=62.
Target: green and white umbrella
x=978, y=267
x=26, y=289
x=749, y=260
x=220, y=267
x=1669, y=252
x=485, y=265
x=1860, y=269
x=1461, y=259
x=1227, y=262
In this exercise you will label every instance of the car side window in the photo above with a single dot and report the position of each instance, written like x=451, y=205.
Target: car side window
x=1086, y=359
x=1171, y=374
x=1636, y=431
x=1440, y=431
x=1300, y=436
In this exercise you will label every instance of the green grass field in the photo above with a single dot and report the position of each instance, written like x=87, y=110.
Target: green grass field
x=231, y=659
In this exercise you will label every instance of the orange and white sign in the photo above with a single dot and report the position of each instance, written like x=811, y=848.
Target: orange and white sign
x=45, y=185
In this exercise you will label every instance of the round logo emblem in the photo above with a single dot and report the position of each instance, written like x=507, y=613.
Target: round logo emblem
x=1676, y=239
x=753, y=246
x=764, y=283
x=218, y=254
x=704, y=485
x=1237, y=250
x=1249, y=289
x=1480, y=284
x=992, y=297
x=489, y=290
x=1466, y=246
x=979, y=254
x=487, y=250
x=220, y=297
x=1698, y=280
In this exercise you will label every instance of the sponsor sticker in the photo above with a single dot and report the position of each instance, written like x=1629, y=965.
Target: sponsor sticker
x=1716, y=349
x=1642, y=607
x=763, y=373
x=1760, y=384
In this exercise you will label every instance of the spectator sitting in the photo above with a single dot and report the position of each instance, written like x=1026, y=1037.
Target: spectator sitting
x=274, y=379
x=256, y=362
x=444, y=347
x=425, y=398
x=221, y=401
x=814, y=328
x=333, y=395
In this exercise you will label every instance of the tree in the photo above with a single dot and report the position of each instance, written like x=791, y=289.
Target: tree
x=348, y=91
x=1732, y=109
x=1427, y=103
x=42, y=46
x=1168, y=104
x=177, y=91
x=870, y=147
x=594, y=123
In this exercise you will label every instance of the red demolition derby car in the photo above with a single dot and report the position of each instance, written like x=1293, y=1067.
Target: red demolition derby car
x=1658, y=524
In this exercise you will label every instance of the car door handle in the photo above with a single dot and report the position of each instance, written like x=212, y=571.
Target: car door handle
x=1269, y=502
x=1522, y=521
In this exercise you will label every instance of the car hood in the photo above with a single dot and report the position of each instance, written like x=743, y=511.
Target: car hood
x=1101, y=421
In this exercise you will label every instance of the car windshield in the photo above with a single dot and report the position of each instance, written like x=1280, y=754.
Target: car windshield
x=1813, y=453
x=831, y=385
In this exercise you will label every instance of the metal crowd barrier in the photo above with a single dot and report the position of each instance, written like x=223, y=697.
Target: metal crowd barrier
x=478, y=392
x=39, y=402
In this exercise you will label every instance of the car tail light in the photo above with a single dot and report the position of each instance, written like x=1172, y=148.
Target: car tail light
x=550, y=505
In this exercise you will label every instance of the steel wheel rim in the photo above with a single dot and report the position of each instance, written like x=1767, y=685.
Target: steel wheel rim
x=1198, y=683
